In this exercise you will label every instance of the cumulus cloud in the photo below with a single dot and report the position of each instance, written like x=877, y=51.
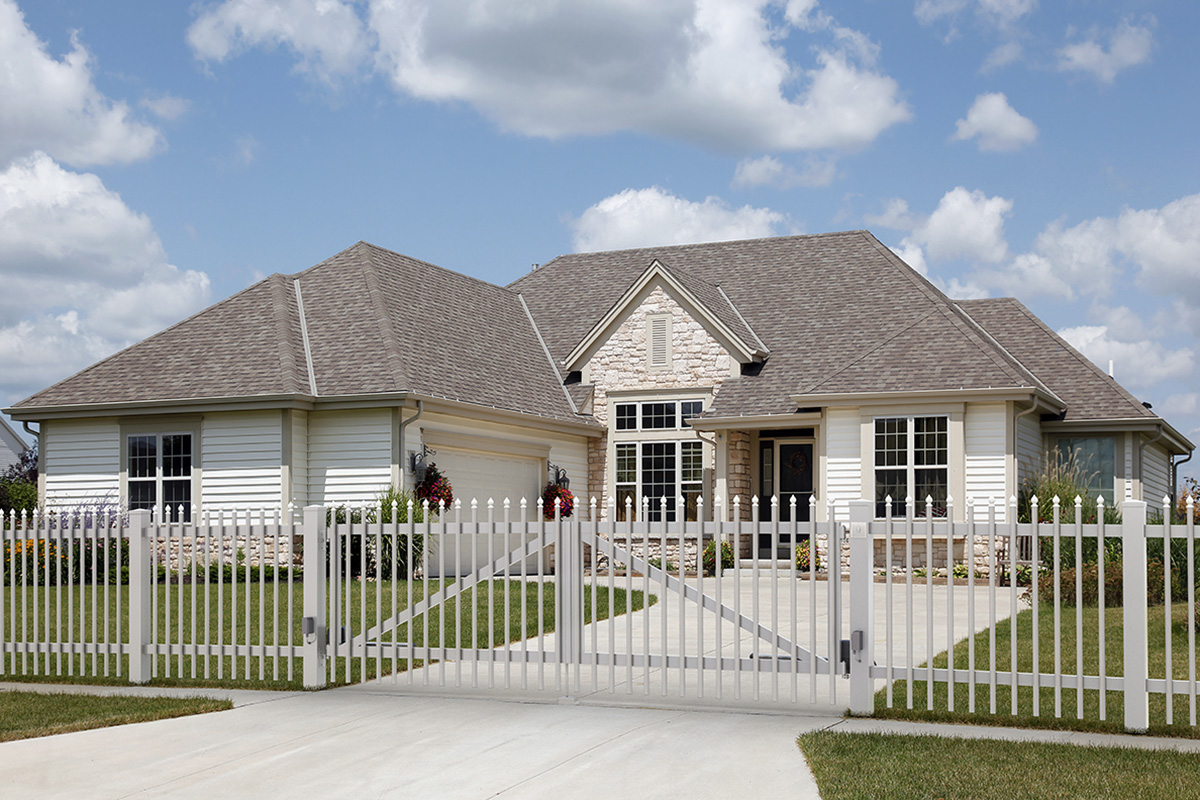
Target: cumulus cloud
x=1128, y=46
x=1138, y=365
x=327, y=36
x=1002, y=56
x=895, y=216
x=999, y=13
x=166, y=106
x=997, y=124
x=966, y=225
x=83, y=274
x=644, y=217
x=706, y=71
x=770, y=171
x=52, y=105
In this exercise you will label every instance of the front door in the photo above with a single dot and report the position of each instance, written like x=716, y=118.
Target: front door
x=787, y=469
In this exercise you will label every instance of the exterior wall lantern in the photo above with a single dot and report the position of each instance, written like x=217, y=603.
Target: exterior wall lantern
x=419, y=463
x=558, y=476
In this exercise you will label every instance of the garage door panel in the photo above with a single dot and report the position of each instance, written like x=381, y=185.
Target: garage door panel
x=478, y=475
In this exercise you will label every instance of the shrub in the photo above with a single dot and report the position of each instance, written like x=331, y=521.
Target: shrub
x=709, y=558
x=802, y=558
x=379, y=564
x=1113, y=585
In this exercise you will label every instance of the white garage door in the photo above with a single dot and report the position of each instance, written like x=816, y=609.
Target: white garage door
x=482, y=475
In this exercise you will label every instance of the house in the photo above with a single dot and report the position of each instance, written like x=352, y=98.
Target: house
x=11, y=446
x=807, y=366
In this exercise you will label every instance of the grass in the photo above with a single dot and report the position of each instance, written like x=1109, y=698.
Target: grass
x=25, y=715
x=222, y=616
x=1070, y=715
x=860, y=765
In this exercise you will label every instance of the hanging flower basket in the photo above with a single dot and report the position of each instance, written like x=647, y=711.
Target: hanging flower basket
x=557, y=496
x=435, y=488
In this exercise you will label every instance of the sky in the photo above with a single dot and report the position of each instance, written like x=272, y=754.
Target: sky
x=158, y=157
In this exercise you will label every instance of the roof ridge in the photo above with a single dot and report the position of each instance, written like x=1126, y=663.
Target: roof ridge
x=287, y=359
x=997, y=355
x=383, y=320
x=1087, y=362
x=745, y=322
x=439, y=268
x=695, y=245
x=870, y=351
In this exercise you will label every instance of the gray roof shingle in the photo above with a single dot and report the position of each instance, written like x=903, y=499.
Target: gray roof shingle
x=1088, y=392
x=839, y=312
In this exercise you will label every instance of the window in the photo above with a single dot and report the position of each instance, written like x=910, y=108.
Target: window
x=662, y=472
x=159, y=472
x=911, y=460
x=656, y=415
x=1095, y=457
x=652, y=462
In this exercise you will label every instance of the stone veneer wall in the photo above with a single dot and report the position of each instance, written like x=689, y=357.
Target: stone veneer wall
x=697, y=361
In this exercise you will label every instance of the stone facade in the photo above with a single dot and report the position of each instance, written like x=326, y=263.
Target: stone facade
x=698, y=361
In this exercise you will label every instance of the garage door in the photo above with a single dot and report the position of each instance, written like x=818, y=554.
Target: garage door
x=481, y=475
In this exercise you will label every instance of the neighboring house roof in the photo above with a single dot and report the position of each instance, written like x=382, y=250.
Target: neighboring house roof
x=840, y=313
x=11, y=445
x=450, y=337
x=1088, y=392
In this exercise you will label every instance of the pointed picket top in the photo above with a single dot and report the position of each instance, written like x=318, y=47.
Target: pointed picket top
x=970, y=502
x=812, y=501
x=754, y=501
x=524, y=504
x=491, y=504
x=1190, y=502
x=700, y=508
x=792, y=503
x=1057, y=503
x=774, y=501
x=474, y=503
x=1166, y=501
x=1100, y=501
x=928, y=499
x=507, y=504
x=1078, y=501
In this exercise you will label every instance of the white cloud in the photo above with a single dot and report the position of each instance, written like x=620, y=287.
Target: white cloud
x=1128, y=46
x=1185, y=403
x=1137, y=365
x=1002, y=56
x=712, y=72
x=645, y=217
x=996, y=123
x=83, y=275
x=895, y=216
x=965, y=225
x=999, y=13
x=166, y=106
x=327, y=36
x=770, y=171
x=53, y=106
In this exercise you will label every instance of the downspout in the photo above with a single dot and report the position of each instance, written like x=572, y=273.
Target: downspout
x=35, y=434
x=1142, y=458
x=1175, y=475
x=404, y=423
x=1017, y=435
x=713, y=442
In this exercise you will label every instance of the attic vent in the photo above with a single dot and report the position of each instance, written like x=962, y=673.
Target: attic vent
x=658, y=341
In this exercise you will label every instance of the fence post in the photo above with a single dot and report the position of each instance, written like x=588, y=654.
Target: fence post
x=1133, y=574
x=314, y=626
x=862, y=607
x=139, y=597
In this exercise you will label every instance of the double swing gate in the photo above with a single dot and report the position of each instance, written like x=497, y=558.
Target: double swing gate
x=579, y=607
x=1086, y=613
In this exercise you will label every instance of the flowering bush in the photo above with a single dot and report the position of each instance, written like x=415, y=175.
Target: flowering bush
x=555, y=495
x=435, y=488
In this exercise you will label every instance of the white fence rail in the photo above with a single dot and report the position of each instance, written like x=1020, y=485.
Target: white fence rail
x=921, y=612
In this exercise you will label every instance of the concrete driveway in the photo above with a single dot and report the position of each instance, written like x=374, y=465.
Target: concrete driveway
x=356, y=742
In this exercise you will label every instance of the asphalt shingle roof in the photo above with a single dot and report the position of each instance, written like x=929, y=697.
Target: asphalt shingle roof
x=1089, y=393
x=377, y=321
x=839, y=312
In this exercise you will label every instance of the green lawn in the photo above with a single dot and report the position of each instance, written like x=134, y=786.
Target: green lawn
x=872, y=765
x=1072, y=716
x=25, y=715
x=226, y=612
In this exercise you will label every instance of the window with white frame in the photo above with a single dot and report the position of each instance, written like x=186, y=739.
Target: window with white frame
x=652, y=464
x=159, y=472
x=912, y=459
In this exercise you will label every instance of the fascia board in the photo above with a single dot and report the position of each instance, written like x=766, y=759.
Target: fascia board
x=927, y=395
x=634, y=296
x=1139, y=424
x=756, y=422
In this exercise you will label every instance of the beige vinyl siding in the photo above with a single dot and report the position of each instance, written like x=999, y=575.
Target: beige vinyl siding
x=843, y=457
x=240, y=456
x=82, y=462
x=1031, y=454
x=985, y=458
x=1156, y=481
x=349, y=455
x=300, y=458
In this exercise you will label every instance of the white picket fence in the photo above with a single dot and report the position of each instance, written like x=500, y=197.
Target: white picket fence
x=499, y=599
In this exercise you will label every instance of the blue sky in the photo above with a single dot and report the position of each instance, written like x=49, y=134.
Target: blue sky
x=157, y=157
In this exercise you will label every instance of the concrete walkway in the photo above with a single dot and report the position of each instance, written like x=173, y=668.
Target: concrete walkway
x=357, y=742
